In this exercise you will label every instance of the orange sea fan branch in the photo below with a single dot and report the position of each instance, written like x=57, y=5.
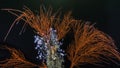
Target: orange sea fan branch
x=43, y=22
x=16, y=60
x=90, y=42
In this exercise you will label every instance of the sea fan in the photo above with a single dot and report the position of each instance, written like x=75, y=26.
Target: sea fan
x=44, y=21
x=89, y=45
x=51, y=29
x=17, y=60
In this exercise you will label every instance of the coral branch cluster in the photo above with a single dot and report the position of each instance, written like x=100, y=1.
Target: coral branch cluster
x=17, y=60
x=89, y=45
x=51, y=29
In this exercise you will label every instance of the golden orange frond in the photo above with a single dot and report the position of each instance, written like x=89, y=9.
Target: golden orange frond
x=44, y=21
x=90, y=45
x=17, y=60
x=64, y=25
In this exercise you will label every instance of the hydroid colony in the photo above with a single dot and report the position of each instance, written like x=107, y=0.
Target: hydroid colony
x=89, y=45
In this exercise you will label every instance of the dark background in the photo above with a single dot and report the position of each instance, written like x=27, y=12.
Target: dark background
x=105, y=13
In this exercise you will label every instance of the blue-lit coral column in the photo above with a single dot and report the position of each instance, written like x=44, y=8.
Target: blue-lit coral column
x=49, y=50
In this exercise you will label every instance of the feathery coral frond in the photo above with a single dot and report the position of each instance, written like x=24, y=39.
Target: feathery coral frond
x=17, y=60
x=63, y=26
x=43, y=22
x=89, y=45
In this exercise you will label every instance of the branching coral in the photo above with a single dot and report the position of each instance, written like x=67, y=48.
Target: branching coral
x=50, y=27
x=90, y=46
x=43, y=22
x=17, y=60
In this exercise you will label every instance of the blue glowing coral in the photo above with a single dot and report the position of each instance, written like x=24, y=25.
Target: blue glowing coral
x=48, y=46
